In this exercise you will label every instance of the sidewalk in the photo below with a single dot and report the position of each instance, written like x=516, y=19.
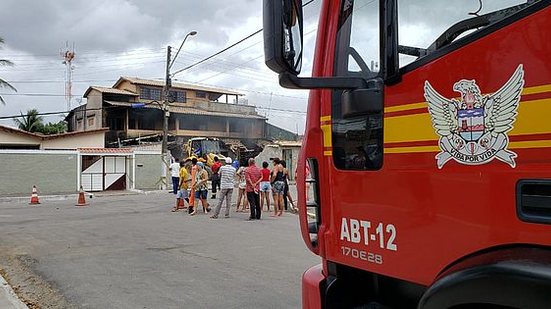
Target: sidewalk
x=8, y=298
x=74, y=196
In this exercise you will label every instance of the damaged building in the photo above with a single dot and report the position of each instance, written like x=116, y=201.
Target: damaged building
x=131, y=110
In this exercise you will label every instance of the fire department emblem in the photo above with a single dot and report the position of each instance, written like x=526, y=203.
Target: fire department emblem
x=473, y=129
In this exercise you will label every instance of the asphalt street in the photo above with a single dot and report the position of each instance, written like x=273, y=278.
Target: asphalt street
x=131, y=252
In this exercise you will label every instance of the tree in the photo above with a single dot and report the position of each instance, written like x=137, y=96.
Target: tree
x=54, y=128
x=3, y=83
x=31, y=122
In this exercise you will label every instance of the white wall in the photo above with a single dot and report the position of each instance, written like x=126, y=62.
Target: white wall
x=89, y=140
x=18, y=138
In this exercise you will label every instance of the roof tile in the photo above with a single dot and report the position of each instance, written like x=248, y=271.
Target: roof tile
x=161, y=83
x=106, y=150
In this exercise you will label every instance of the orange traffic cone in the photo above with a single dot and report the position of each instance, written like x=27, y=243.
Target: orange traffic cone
x=81, y=199
x=34, y=197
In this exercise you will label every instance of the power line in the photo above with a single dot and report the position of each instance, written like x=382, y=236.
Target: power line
x=176, y=80
x=121, y=107
x=226, y=71
x=59, y=81
x=229, y=47
x=280, y=110
x=143, y=53
x=99, y=53
x=219, y=52
x=48, y=113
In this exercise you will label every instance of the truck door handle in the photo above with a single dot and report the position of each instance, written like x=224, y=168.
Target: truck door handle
x=534, y=200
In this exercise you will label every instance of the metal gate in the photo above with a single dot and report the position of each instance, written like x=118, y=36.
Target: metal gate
x=100, y=173
x=287, y=156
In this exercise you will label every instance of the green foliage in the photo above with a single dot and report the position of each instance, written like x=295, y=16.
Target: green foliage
x=54, y=128
x=31, y=122
x=3, y=83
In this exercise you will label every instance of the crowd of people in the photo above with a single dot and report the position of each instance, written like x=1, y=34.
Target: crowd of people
x=254, y=187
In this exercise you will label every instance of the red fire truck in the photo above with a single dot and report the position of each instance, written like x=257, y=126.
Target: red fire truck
x=428, y=145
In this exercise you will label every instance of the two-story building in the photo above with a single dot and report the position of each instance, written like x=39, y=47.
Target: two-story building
x=131, y=109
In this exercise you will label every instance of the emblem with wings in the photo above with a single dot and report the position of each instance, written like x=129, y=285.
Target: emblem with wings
x=473, y=128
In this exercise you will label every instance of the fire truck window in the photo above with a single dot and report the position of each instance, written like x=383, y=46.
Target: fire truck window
x=358, y=48
x=357, y=141
x=421, y=23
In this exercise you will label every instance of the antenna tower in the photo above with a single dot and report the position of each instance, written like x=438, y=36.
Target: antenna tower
x=68, y=55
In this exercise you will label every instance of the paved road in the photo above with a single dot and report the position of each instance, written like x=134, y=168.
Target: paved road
x=132, y=252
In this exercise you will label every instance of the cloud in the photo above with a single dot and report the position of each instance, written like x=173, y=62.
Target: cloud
x=129, y=37
x=41, y=27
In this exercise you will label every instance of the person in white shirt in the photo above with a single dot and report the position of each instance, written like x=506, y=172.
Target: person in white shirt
x=227, y=176
x=175, y=173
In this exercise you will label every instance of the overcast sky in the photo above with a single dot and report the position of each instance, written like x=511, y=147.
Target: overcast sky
x=114, y=38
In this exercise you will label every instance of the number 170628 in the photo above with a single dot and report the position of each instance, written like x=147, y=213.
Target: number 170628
x=362, y=255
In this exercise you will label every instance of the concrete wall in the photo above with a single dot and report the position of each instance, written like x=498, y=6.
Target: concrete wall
x=18, y=138
x=270, y=151
x=51, y=171
x=128, y=86
x=54, y=142
x=276, y=151
x=148, y=170
x=89, y=140
x=94, y=103
x=55, y=172
x=226, y=108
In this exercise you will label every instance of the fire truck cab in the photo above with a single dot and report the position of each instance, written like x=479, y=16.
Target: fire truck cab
x=428, y=150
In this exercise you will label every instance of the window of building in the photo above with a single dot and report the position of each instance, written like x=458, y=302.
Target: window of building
x=214, y=96
x=178, y=96
x=150, y=93
x=91, y=121
x=144, y=93
x=201, y=94
x=79, y=125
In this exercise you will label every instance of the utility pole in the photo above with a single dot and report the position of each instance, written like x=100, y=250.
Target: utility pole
x=166, y=115
x=166, y=111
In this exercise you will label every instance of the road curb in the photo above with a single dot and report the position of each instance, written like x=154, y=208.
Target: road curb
x=7, y=295
x=22, y=199
x=74, y=196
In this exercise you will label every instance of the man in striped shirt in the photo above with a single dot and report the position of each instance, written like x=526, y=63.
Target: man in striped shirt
x=227, y=175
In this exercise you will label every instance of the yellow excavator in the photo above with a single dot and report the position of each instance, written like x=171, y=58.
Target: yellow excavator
x=204, y=149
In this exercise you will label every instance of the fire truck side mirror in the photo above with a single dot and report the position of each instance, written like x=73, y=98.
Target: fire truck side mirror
x=363, y=101
x=283, y=35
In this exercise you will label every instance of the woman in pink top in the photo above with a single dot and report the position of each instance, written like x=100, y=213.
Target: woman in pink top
x=265, y=186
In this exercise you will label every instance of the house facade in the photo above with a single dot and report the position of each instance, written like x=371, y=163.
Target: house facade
x=131, y=109
x=13, y=138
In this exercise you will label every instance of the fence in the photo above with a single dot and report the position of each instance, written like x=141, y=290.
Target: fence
x=60, y=171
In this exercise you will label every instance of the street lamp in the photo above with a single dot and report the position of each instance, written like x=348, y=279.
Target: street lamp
x=191, y=33
x=166, y=112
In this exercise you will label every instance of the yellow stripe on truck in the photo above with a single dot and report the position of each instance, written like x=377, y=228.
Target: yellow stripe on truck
x=534, y=117
x=412, y=106
x=326, y=129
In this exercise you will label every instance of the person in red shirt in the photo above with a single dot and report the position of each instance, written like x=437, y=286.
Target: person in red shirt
x=253, y=176
x=215, y=178
x=265, y=186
